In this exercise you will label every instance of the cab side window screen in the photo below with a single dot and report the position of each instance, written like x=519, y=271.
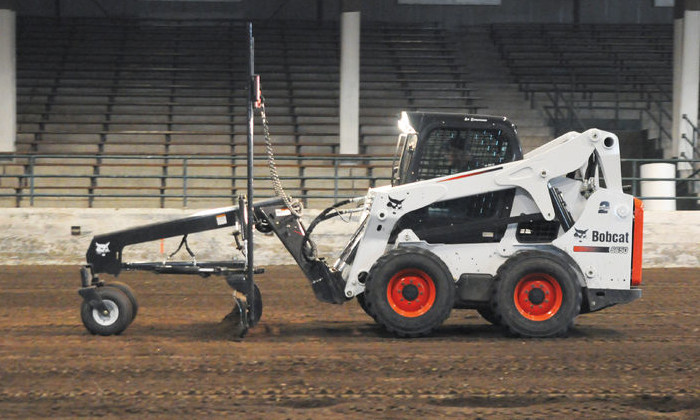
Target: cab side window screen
x=448, y=151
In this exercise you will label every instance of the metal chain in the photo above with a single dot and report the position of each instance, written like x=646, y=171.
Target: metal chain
x=294, y=206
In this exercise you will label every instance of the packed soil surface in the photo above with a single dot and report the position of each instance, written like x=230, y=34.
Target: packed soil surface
x=312, y=360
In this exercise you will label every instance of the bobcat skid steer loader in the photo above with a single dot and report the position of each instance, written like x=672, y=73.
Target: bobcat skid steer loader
x=528, y=241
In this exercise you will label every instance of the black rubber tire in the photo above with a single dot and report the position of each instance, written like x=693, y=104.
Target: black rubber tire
x=379, y=281
x=129, y=293
x=118, y=302
x=536, y=265
x=362, y=301
x=487, y=313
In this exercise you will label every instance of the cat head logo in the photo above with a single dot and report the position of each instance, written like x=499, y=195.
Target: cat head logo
x=395, y=204
x=102, y=249
x=580, y=234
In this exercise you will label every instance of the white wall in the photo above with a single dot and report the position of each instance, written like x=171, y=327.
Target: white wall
x=43, y=236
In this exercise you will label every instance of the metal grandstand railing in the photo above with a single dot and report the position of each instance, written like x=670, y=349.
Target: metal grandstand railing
x=40, y=177
x=338, y=177
x=686, y=198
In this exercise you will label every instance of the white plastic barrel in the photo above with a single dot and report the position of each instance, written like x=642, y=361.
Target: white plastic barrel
x=659, y=188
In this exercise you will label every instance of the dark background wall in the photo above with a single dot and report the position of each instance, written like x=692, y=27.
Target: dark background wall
x=547, y=11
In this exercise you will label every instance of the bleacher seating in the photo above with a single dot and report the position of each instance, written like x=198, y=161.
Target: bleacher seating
x=113, y=91
x=587, y=59
x=594, y=71
x=96, y=96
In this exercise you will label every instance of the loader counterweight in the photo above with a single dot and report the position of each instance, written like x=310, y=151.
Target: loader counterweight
x=637, y=242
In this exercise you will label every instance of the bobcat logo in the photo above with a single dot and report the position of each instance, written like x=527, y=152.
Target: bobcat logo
x=395, y=204
x=102, y=249
x=581, y=234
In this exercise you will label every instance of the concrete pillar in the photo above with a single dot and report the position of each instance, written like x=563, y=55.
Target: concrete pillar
x=686, y=103
x=350, y=77
x=8, y=78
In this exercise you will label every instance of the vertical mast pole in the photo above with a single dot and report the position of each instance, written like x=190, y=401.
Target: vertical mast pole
x=249, y=201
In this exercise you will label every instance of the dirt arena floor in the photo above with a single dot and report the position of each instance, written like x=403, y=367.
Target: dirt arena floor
x=312, y=360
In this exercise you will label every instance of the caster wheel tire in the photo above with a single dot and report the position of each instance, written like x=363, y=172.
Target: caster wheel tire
x=537, y=294
x=129, y=293
x=410, y=291
x=116, y=321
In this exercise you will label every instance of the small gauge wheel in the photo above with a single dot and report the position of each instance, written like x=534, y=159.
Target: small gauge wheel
x=115, y=319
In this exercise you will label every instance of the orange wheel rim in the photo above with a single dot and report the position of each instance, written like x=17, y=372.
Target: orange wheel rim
x=411, y=292
x=538, y=296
